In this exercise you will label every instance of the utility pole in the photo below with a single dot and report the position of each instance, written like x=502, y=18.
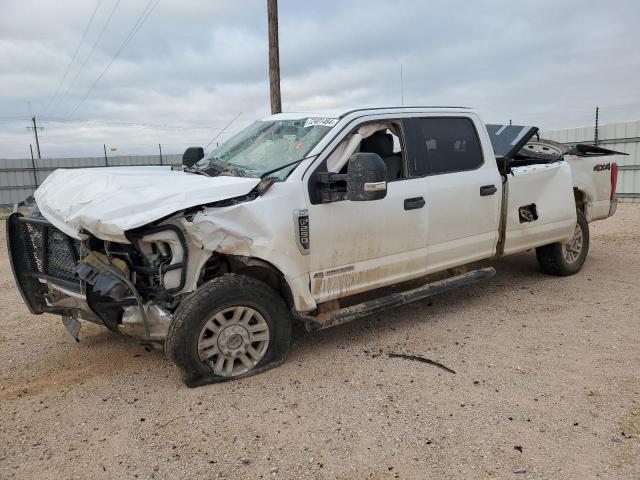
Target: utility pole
x=106, y=161
x=160, y=148
x=33, y=167
x=274, y=57
x=35, y=131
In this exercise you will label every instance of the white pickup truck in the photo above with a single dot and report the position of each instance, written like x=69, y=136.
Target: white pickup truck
x=321, y=217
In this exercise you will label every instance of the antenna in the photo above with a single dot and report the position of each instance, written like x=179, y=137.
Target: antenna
x=401, y=87
x=222, y=131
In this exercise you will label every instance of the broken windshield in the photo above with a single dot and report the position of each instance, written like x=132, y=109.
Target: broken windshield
x=265, y=146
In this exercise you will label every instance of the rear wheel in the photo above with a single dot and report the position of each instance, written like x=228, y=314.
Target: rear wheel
x=564, y=259
x=232, y=326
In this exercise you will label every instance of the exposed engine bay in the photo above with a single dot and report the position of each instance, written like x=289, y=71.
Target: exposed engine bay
x=130, y=288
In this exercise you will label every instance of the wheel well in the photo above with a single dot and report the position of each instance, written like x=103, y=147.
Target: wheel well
x=251, y=267
x=580, y=198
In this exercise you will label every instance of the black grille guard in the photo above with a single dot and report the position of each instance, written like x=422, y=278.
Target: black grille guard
x=39, y=251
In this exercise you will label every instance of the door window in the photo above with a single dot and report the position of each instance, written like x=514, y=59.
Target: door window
x=380, y=138
x=384, y=138
x=386, y=143
x=448, y=145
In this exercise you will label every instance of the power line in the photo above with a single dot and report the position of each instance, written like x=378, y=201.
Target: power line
x=14, y=118
x=75, y=54
x=141, y=19
x=93, y=47
x=110, y=123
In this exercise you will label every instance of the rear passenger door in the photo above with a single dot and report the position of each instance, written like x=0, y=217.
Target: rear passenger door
x=464, y=190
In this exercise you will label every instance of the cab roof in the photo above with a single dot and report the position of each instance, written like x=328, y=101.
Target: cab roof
x=340, y=113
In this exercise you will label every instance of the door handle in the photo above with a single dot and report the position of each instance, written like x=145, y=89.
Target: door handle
x=487, y=190
x=413, y=203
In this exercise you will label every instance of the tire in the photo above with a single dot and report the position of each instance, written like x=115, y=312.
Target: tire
x=235, y=318
x=566, y=259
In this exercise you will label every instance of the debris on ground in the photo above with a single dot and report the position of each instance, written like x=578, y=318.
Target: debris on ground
x=418, y=358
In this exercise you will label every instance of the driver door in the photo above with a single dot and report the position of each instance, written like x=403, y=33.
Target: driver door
x=362, y=245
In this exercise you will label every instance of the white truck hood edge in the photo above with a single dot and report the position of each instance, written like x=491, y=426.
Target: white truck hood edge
x=109, y=201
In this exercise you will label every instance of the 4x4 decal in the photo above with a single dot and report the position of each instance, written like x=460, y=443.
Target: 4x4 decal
x=602, y=166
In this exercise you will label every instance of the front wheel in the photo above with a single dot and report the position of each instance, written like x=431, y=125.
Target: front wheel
x=232, y=326
x=564, y=259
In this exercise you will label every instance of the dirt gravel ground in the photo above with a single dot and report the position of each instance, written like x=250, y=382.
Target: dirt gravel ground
x=546, y=387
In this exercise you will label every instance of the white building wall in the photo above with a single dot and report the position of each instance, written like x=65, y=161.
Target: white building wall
x=623, y=137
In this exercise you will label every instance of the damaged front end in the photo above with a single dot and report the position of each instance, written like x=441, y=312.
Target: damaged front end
x=129, y=288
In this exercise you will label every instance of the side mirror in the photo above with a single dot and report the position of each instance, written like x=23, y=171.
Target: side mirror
x=192, y=155
x=366, y=177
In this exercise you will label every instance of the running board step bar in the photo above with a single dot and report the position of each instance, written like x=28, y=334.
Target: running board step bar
x=344, y=315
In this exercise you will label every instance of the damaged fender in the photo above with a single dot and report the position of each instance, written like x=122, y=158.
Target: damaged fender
x=240, y=230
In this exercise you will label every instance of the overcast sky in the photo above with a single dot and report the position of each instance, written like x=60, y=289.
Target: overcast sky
x=194, y=65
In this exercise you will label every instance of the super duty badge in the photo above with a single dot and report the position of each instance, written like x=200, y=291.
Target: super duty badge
x=301, y=224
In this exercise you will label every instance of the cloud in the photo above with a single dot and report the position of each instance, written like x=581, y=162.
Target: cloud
x=194, y=65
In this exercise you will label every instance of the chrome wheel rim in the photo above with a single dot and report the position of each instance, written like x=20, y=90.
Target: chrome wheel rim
x=233, y=341
x=573, y=248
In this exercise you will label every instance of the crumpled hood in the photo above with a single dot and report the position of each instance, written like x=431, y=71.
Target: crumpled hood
x=109, y=201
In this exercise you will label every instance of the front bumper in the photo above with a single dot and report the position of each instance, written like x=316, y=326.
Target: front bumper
x=43, y=261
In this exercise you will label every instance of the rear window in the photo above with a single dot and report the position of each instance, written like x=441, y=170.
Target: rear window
x=452, y=144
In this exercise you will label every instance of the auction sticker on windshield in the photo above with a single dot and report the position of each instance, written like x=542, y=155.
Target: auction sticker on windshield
x=320, y=121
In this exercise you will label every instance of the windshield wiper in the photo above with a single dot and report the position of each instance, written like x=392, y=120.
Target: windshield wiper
x=218, y=167
x=282, y=166
x=234, y=170
x=194, y=169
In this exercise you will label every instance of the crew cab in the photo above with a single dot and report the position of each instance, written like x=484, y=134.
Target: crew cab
x=318, y=217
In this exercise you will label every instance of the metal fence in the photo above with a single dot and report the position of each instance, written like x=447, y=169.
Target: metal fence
x=622, y=137
x=19, y=177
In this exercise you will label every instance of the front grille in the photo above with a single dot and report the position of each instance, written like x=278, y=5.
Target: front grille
x=48, y=251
